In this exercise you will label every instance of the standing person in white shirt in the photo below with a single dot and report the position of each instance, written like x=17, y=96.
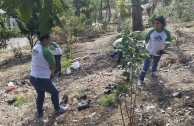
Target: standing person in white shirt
x=155, y=44
x=43, y=65
x=57, y=52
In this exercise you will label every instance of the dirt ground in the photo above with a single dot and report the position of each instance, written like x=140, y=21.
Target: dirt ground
x=156, y=105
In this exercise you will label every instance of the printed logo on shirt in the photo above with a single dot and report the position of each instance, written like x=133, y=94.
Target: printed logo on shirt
x=34, y=52
x=158, y=38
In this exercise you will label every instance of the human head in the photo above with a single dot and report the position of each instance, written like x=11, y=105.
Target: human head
x=44, y=39
x=159, y=22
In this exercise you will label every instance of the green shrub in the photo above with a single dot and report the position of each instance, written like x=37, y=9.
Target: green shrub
x=20, y=101
x=65, y=63
x=108, y=101
x=67, y=51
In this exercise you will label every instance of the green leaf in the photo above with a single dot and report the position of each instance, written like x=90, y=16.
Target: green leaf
x=7, y=3
x=45, y=20
x=126, y=74
x=24, y=11
x=57, y=21
x=22, y=27
x=1, y=23
x=59, y=5
x=45, y=27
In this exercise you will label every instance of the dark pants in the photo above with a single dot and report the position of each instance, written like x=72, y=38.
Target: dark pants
x=41, y=86
x=146, y=64
x=58, y=63
x=119, y=54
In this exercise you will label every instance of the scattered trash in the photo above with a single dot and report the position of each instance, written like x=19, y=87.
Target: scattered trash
x=10, y=87
x=11, y=84
x=64, y=99
x=109, y=88
x=90, y=116
x=75, y=65
x=107, y=92
x=11, y=101
x=177, y=94
x=68, y=70
x=150, y=107
x=83, y=105
x=82, y=97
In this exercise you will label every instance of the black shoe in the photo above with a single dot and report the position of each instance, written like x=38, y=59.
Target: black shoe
x=82, y=97
x=108, y=91
x=60, y=74
x=64, y=99
x=83, y=105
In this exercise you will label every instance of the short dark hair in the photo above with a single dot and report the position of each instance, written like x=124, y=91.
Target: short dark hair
x=41, y=38
x=161, y=19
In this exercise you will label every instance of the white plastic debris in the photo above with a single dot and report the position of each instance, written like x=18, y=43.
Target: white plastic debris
x=68, y=70
x=11, y=84
x=75, y=65
x=90, y=116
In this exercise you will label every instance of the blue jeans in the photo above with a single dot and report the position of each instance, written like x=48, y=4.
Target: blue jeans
x=146, y=64
x=119, y=54
x=41, y=86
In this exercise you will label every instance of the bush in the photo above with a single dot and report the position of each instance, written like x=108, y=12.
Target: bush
x=20, y=101
x=108, y=101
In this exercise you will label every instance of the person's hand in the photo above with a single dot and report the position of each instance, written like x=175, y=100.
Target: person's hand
x=52, y=48
x=145, y=43
x=160, y=52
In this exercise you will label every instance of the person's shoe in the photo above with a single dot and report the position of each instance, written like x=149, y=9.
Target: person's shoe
x=61, y=110
x=139, y=83
x=155, y=74
x=60, y=74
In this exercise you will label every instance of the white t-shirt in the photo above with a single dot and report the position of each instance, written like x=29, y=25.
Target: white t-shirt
x=156, y=40
x=55, y=49
x=118, y=41
x=42, y=58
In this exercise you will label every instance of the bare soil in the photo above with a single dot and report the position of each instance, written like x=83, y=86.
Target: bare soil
x=156, y=105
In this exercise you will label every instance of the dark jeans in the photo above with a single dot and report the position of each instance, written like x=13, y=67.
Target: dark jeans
x=58, y=63
x=146, y=64
x=41, y=86
x=119, y=54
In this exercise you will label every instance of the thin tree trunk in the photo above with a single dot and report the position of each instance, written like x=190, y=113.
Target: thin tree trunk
x=137, y=16
x=151, y=9
x=109, y=10
x=122, y=114
x=76, y=3
x=100, y=11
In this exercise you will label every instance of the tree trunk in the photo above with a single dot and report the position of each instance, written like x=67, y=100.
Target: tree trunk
x=100, y=11
x=77, y=6
x=137, y=23
x=151, y=9
x=109, y=10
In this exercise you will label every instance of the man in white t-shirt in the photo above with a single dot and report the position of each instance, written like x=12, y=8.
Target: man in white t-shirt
x=42, y=66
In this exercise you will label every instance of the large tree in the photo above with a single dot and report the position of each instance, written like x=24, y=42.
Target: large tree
x=137, y=15
x=33, y=15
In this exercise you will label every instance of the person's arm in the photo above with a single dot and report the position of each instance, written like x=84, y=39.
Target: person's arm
x=147, y=37
x=52, y=68
x=168, y=39
x=48, y=56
